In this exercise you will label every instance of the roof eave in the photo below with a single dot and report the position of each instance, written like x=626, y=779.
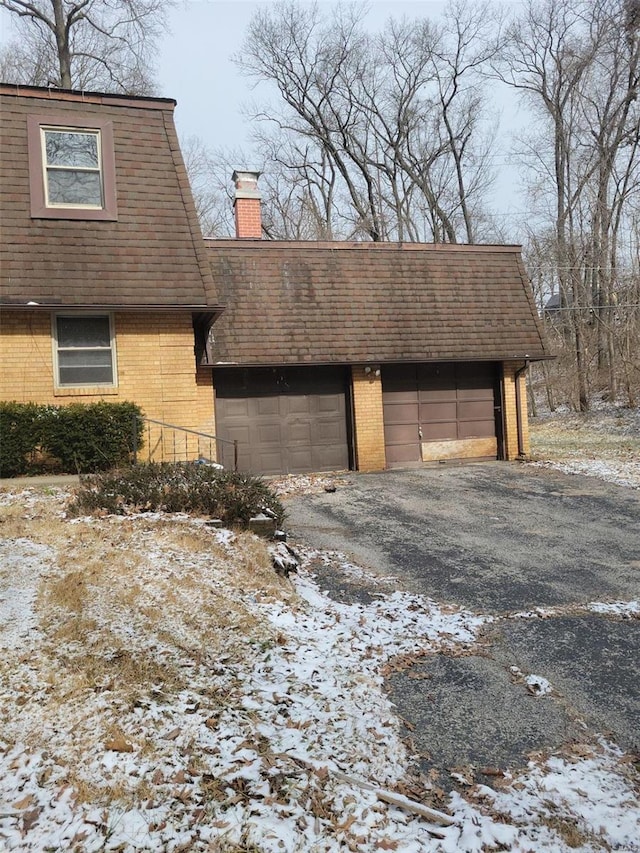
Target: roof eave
x=111, y=306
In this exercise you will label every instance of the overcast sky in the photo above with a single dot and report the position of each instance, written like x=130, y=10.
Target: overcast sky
x=195, y=66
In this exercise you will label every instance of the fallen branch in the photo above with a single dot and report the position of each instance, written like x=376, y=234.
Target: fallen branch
x=385, y=796
x=398, y=800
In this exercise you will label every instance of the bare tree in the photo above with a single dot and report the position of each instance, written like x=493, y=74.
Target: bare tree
x=393, y=122
x=210, y=178
x=577, y=63
x=105, y=45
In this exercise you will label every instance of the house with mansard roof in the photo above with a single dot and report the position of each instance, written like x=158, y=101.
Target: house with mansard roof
x=310, y=356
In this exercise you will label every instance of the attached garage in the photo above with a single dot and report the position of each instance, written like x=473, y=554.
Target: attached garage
x=289, y=420
x=433, y=343
x=440, y=411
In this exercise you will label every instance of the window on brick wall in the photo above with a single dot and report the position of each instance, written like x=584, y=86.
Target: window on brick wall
x=84, y=350
x=72, y=168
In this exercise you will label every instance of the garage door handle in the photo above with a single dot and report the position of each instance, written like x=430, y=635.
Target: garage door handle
x=420, y=433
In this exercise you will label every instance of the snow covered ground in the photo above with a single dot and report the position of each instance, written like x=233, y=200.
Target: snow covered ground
x=162, y=689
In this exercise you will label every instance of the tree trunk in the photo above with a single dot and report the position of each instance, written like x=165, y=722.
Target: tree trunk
x=62, y=43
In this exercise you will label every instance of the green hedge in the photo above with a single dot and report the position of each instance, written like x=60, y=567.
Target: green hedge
x=20, y=436
x=178, y=487
x=79, y=438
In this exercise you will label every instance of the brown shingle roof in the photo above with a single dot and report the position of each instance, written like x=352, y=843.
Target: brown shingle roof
x=311, y=303
x=152, y=255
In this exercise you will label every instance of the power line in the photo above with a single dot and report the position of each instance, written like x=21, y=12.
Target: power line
x=552, y=309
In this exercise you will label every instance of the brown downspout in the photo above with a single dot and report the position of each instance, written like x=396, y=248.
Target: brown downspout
x=516, y=377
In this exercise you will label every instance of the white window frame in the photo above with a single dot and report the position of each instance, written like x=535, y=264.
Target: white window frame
x=112, y=349
x=46, y=168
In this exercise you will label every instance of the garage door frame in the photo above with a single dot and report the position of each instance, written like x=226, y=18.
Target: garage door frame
x=286, y=419
x=437, y=411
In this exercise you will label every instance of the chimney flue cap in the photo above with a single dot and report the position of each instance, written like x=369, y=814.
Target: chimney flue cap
x=246, y=183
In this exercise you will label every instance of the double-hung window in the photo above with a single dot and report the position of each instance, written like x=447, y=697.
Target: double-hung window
x=71, y=167
x=84, y=350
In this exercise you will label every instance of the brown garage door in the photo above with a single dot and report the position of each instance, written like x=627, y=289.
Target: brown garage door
x=286, y=420
x=439, y=411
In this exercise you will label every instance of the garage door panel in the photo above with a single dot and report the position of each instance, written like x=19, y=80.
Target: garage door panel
x=297, y=404
x=434, y=376
x=299, y=460
x=438, y=412
x=263, y=461
x=396, y=397
x=440, y=431
x=475, y=410
x=400, y=413
x=478, y=371
x=239, y=432
x=326, y=432
x=328, y=404
x=332, y=457
x=437, y=395
x=475, y=392
x=267, y=433
x=476, y=429
x=401, y=433
x=402, y=454
x=265, y=406
x=300, y=432
x=235, y=408
x=399, y=378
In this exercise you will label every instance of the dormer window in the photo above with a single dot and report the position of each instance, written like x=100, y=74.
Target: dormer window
x=72, y=168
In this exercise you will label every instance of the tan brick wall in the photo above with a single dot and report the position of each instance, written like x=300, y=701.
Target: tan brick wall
x=368, y=417
x=155, y=368
x=510, y=414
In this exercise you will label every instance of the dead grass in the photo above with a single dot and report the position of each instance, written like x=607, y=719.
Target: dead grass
x=68, y=591
x=128, y=796
x=572, y=836
x=609, y=435
x=129, y=612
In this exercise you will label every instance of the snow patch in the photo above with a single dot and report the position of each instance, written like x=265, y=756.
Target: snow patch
x=22, y=562
x=623, y=473
x=616, y=608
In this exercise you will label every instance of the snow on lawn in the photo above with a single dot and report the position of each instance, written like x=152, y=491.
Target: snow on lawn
x=588, y=790
x=620, y=473
x=165, y=700
x=603, y=443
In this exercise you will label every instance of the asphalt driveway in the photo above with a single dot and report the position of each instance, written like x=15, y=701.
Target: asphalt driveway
x=500, y=539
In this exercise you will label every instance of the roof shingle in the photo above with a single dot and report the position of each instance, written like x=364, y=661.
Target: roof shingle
x=152, y=255
x=320, y=303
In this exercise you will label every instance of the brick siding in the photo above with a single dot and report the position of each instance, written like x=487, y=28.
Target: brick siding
x=248, y=218
x=510, y=413
x=155, y=368
x=368, y=417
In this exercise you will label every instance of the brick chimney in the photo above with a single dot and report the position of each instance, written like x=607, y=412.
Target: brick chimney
x=247, y=205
